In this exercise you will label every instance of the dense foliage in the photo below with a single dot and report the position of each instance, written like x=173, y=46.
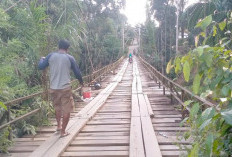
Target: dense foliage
x=208, y=71
x=203, y=65
x=158, y=33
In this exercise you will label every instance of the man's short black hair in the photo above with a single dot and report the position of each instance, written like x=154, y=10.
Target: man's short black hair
x=64, y=44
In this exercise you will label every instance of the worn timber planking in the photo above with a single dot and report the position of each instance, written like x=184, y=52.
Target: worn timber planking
x=136, y=138
x=118, y=123
x=54, y=146
x=101, y=131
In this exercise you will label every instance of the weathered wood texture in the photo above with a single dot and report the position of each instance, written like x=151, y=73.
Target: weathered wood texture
x=55, y=146
x=166, y=119
x=108, y=132
x=129, y=117
x=44, y=132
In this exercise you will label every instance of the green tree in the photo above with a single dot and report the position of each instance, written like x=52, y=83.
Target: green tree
x=209, y=74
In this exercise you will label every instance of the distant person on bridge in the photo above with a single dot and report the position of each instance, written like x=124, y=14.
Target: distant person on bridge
x=130, y=57
x=61, y=63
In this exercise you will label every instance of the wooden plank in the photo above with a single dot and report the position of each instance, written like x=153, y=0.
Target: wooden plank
x=44, y=149
x=168, y=116
x=54, y=146
x=29, y=139
x=97, y=154
x=111, y=117
x=105, y=134
x=135, y=106
x=150, y=140
x=168, y=133
x=153, y=102
x=91, y=111
x=166, y=112
x=100, y=102
x=172, y=140
x=136, y=140
x=112, y=107
x=105, y=127
x=108, y=122
x=171, y=129
x=149, y=137
x=93, y=102
x=97, y=148
x=113, y=110
x=33, y=143
x=105, y=130
x=149, y=109
x=166, y=120
x=120, y=94
x=134, y=88
x=102, y=138
x=143, y=106
x=163, y=109
x=38, y=135
x=160, y=98
x=121, y=142
x=169, y=148
x=167, y=124
x=102, y=93
x=174, y=153
x=116, y=113
x=118, y=101
x=21, y=149
x=16, y=154
x=173, y=147
x=113, y=113
x=139, y=85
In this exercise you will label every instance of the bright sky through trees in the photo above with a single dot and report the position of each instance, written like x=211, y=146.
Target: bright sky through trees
x=136, y=10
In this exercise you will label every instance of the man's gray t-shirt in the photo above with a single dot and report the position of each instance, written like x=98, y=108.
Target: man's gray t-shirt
x=60, y=65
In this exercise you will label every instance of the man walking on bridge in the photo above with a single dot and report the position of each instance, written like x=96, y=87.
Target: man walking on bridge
x=61, y=64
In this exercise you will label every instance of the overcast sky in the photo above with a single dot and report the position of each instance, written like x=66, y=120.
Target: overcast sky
x=136, y=11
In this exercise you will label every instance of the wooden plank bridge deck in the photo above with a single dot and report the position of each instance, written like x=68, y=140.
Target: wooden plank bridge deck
x=130, y=116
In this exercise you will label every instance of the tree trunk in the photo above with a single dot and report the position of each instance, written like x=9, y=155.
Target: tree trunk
x=177, y=30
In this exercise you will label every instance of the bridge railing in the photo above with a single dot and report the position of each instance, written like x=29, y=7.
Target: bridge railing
x=96, y=75
x=178, y=92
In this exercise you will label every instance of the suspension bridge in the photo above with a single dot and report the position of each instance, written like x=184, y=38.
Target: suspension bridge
x=137, y=113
